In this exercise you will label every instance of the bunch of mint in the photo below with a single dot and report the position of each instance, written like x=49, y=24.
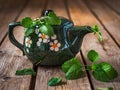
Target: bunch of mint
x=45, y=24
x=102, y=71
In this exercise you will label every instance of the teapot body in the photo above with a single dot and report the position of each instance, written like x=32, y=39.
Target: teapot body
x=45, y=50
x=51, y=50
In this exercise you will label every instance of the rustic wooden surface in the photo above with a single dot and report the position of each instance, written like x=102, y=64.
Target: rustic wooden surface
x=105, y=13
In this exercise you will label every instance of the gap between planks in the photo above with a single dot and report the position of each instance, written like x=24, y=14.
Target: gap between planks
x=113, y=5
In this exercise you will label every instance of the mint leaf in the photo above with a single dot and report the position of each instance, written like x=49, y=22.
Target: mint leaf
x=52, y=19
x=74, y=72
x=28, y=31
x=72, y=68
x=95, y=29
x=26, y=22
x=26, y=71
x=69, y=63
x=54, y=81
x=93, y=55
x=47, y=29
x=109, y=88
x=100, y=37
x=104, y=72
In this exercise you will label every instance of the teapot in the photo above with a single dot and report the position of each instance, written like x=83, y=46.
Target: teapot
x=42, y=49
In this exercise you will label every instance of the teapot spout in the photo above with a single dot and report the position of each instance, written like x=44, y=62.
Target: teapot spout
x=76, y=35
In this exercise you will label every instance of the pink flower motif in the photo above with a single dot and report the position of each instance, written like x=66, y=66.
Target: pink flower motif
x=55, y=45
x=28, y=42
x=42, y=38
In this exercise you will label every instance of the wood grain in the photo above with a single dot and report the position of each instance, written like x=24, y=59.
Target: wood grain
x=108, y=18
x=82, y=12
x=2, y=4
x=45, y=73
x=8, y=66
x=114, y=5
x=59, y=8
x=10, y=9
x=108, y=50
x=11, y=57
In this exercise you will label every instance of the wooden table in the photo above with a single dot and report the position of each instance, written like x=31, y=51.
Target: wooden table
x=105, y=13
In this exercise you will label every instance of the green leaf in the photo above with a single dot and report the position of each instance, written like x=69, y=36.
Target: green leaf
x=74, y=72
x=26, y=22
x=109, y=88
x=104, y=72
x=54, y=81
x=52, y=19
x=100, y=37
x=69, y=63
x=26, y=71
x=95, y=29
x=47, y=29
x=72, y=68
x=28, y=31
x=93, y=55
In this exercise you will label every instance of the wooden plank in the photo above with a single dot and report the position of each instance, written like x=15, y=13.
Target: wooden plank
x=11, y=57
x=114, y=5
x=45, y=73
x=10, y=9
x=8, y=65
x=108, y=18
x=2, y=4
x=109, y=51
x=59, y=8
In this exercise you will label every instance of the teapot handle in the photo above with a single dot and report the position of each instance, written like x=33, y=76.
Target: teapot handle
x=12, y=38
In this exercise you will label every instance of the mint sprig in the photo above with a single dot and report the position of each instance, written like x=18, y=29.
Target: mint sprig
x=102, y=71
x=95, y=29
x=46, y=24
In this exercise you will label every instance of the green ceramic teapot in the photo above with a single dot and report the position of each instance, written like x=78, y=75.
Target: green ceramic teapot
x=43, y=49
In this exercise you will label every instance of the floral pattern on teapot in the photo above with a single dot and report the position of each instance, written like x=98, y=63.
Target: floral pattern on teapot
x=54, y=45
